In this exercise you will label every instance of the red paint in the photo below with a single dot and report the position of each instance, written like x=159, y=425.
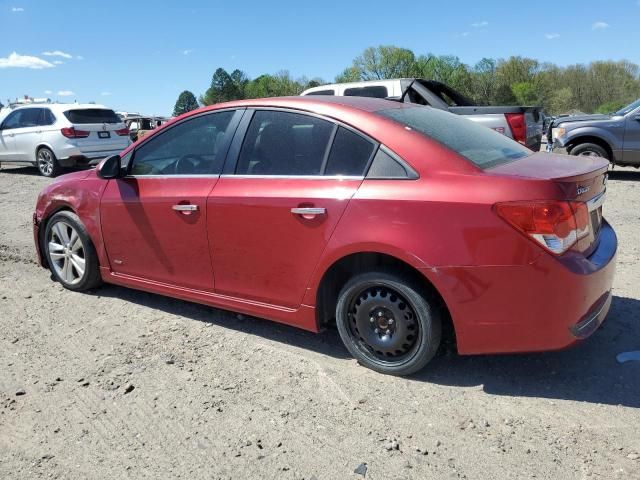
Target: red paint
x=244, y=250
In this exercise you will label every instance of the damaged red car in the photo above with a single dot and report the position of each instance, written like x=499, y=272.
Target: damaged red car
x=397, y=223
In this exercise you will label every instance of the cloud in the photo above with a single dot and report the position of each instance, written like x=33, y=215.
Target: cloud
x=57, y=53
x=58, y=62
x=15, y=60
x=105, y=94
x=187, y=52
x=65, y=93
x=481, y=24
x=79, y=57
x=48, y=92
x=17, y=9
x=600, y=26
x=551, y=36
x=464, y=34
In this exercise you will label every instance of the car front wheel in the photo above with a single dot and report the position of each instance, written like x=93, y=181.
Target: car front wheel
x=589, y=150
x=387, y=324
x=70, y=253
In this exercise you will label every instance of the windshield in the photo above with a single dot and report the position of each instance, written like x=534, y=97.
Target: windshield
x=629, y=108
x=480, y=145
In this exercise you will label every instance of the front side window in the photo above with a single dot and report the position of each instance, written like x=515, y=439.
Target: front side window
x=480, y=145
x=284, y=143
x=193, y=147
x=12, y=120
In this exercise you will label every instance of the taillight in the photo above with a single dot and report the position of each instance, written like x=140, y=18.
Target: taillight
x=556, y=225
x=72, y=132
x=518, y=126
x=123, y=131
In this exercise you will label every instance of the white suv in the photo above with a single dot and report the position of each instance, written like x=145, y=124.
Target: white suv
x=52, y=136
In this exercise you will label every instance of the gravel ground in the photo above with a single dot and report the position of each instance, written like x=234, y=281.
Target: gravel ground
x=124, y=384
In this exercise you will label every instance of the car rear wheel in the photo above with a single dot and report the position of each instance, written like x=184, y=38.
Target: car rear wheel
x=589, y=150
x=47, y=163
x=387, y=324
x=70, y=253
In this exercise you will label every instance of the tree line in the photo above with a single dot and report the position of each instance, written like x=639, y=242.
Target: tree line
x=600, y=86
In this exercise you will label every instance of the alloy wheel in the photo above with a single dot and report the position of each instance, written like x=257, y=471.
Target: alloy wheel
x=45, y=162
x=66, y=252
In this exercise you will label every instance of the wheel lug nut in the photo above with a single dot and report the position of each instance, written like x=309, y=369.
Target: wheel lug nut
x=372, y=319
x=377, y=331
x=380, y=314
x=388, y=332
x=390, y=321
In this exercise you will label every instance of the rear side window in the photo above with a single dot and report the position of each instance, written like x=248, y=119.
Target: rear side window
x=373, y=91
x=92, y=115
x=284, y=143
x=480, y=145
x=350, y=154
x=322, y=92
x=47, y=117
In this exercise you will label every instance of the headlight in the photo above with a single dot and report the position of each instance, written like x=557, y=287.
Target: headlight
x=557, y=132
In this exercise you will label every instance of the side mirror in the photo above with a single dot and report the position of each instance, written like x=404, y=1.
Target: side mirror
x=109, y=168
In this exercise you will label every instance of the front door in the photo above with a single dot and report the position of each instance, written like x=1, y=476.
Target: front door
x=28, y=134
x=271, y=218
x=7, y=136
x=631, y=153
x=154, y=221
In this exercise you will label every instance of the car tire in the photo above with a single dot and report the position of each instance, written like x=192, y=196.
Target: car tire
x=47, y=163
x=387, y=323
x=70, y=253
x=589, y=149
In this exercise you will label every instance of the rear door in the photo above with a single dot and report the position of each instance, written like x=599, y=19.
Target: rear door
x=154, y=221
x=28, y=134
x=631, y=152
x=273, y=211
x=107, y=132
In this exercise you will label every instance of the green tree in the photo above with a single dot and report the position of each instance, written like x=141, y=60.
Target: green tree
x=525, y=93
x=185, y=103
x=225, y=87
x=610, y=107
x=349, y=74
x=385, y=61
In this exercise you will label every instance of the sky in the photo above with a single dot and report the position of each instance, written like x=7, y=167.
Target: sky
x=138, y=55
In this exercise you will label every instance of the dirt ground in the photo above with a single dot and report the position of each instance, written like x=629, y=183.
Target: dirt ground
x=123, y=384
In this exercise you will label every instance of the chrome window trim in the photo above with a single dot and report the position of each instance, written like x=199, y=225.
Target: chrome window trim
x=208, y=175
x=297, y=177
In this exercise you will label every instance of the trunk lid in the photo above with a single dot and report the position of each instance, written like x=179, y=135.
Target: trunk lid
x=580, y=179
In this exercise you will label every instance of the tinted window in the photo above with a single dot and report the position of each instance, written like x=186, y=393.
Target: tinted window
x=283, y=143
x=385, y=166
x=193, y=147
x=480, y=145
x=12, y=120
x=47, y=117
x=92, y=115
x=377, y=92
x=322, y=92
x=350, y=154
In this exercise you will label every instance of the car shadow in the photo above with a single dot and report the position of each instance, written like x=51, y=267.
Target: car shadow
x=624, y=175
x=19, y=170
x=587, y=372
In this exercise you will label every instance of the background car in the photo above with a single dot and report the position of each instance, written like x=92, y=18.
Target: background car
x=400, y=223
x=52, y=136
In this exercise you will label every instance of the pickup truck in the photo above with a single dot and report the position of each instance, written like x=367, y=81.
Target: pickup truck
x=615, y=137
x=523, y=124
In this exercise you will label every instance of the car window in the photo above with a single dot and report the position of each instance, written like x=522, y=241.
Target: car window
x=46, y=117
x=385, y=166
x=480, y=145
x=350, y=154
x=373, y=91
x=12, y=120
x=283, y=143
x=322, y=92
x=193, y=147
x=92, y=115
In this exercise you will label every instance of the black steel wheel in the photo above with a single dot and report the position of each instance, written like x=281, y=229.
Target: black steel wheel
x=387, y=323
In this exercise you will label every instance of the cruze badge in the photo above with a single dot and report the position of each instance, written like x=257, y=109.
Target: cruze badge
x=582, y=190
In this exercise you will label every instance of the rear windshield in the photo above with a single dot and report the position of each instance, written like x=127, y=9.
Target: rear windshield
x=92, y=115
x=481, y=145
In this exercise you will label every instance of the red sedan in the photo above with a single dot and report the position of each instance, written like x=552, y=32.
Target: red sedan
x=397, y=222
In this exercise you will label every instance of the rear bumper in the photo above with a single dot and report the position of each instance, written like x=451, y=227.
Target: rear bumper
x=548, y=305
x=82, y=160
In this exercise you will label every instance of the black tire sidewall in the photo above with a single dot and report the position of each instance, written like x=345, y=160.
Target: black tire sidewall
x=55, y=171
x=585, y=147
x=428, y=318
x=91, y=276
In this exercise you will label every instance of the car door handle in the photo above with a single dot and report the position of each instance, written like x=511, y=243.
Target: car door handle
x=185, y=208
x=309, y=211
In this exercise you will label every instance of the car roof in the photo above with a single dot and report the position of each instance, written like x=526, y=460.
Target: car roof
x=62, y=106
